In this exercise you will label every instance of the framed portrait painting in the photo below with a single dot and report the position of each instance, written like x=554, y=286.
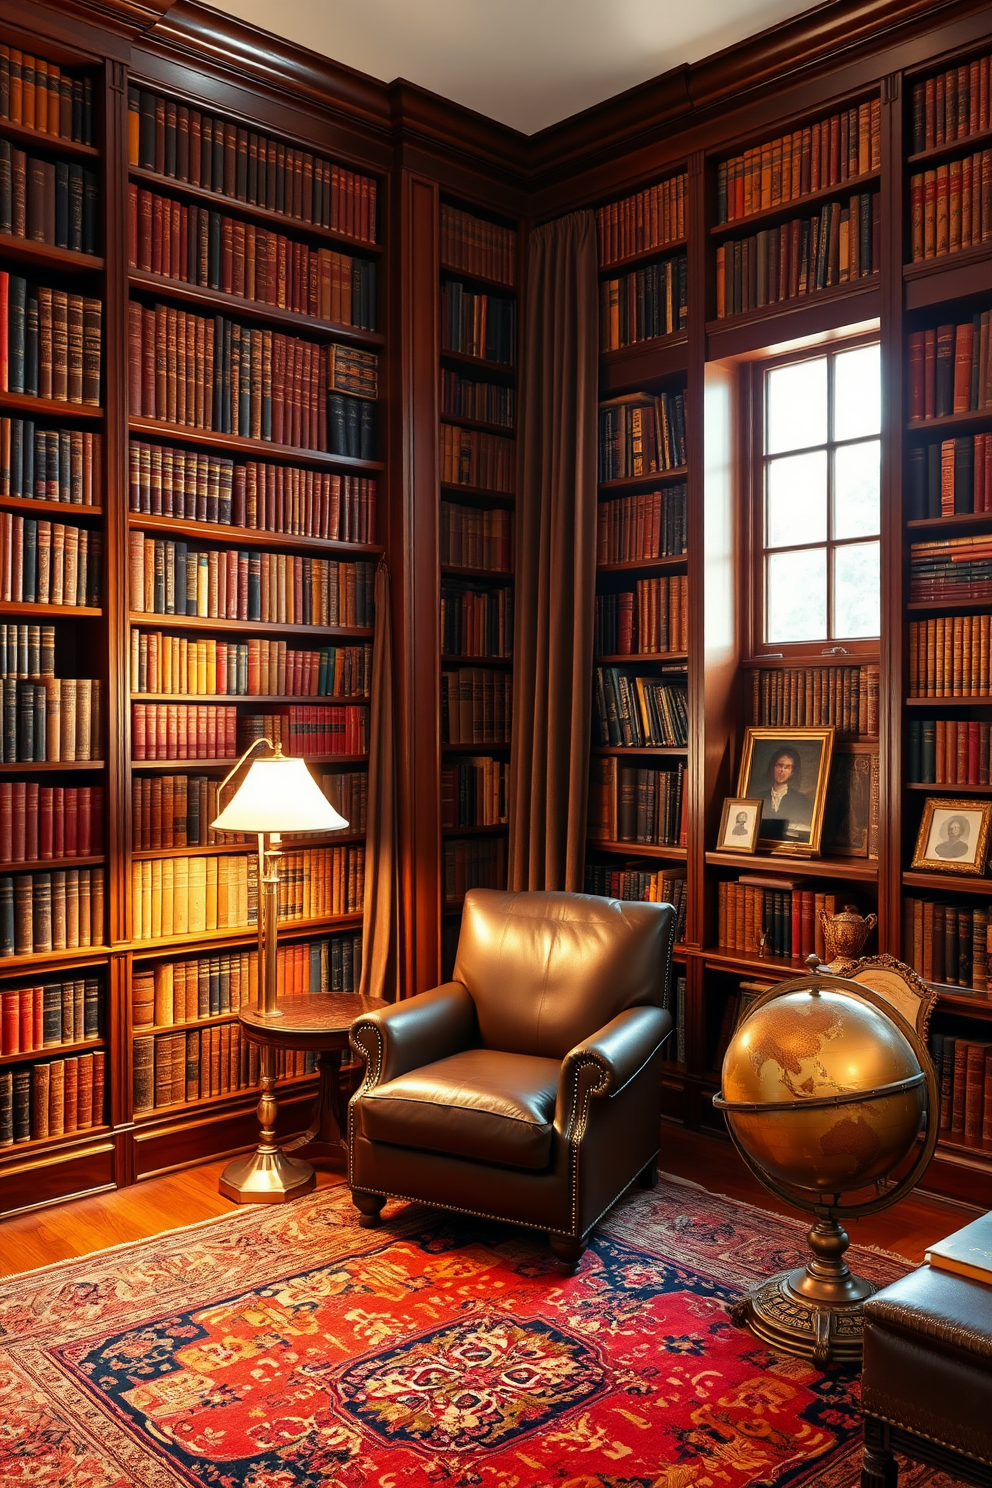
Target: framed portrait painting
x=953, y=836
x=787, y=769
x=739, y=825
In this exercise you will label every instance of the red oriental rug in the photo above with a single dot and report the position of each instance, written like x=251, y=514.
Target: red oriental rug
x=287, y=1348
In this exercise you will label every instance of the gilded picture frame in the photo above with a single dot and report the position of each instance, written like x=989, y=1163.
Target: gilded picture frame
x=740, y=825
x=787, y=769
x=953, y=836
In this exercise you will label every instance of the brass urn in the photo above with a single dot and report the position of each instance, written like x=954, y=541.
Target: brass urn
x=844, y=937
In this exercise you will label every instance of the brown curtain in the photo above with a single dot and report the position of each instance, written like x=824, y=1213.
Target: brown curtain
x=379, y=918
x=555, y=559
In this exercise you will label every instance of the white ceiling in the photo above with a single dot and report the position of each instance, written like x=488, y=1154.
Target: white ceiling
x=527, y=63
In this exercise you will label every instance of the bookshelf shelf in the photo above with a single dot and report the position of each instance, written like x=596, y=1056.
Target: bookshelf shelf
x=240, y=444
x=41, y=961
x=214, y=849
x=960, y=1000
x=475, y=831
x=969, y=790
x=644, y=364
x=951, y=423
x=49, y=407
x=226, y=763
x=52, y=865
x=479, y=281
x=784, y=864
x=773, y=967
x=966, y=145
x=73, y=612
x=626, y=749
x=237, y=935
x=669, y=563
x=484, y=575
x=959, y=522
x=796, y=207
x=49, y=144
x=472, y=748
x=948, y=883
x=663, y=658
x=308, y=699
x=638, y=482
x=35, y=506
x=645, y=256
x=486, y=661
x=47, y=256
x=247, y=627
x=931, y=606
x=506, y=430
x=476, y=495
x=237, y=307
x=857, y=300
x=49, y=1147
x=48, y=765
x=52, y=1051
x=776, y=661
x=220, y=203
x=504, y=371
x=639, y=849
x=256, y=537
x=948, y=702
x=953, y=276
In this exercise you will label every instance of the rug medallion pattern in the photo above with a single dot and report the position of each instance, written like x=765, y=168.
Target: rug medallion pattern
x=291, y=1349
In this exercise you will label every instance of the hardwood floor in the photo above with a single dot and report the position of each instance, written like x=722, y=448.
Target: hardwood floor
x=126, y=1214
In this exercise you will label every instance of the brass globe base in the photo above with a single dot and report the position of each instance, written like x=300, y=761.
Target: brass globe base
x=815, y=1310
x=266, y=1177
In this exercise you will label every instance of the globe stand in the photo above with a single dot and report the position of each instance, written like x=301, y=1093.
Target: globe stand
x=815, y=1310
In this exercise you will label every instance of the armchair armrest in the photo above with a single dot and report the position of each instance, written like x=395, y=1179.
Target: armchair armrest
x=418, y=1031
x=605, y=1063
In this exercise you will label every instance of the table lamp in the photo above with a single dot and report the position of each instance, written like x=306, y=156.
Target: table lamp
x=277, y=795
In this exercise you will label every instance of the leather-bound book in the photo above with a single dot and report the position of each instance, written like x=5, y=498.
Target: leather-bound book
x=98, y=1099
x=143, y=1074
x=22, y=1103
x=71, y=1096
x=143, y=997
x=6, y=1108
x=84, y=1091
x=40, y=1098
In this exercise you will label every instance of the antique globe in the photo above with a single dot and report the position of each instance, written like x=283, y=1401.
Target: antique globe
x=826, y=1091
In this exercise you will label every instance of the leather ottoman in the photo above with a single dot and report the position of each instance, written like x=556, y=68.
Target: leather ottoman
x=927, y=1381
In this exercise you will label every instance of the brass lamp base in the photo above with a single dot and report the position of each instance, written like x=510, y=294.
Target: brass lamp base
x=815, y=1310
x=266, y=1177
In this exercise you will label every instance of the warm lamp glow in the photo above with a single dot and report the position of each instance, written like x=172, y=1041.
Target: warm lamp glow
x=279, y=795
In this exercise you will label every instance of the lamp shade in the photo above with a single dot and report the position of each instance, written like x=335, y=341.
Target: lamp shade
x=279, y=795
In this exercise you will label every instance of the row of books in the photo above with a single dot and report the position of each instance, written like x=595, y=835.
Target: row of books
x=42, y=1017
x=52, y=1099
x=950, y=477
x=476, y=246
x=947, y=943
x=475, y=792
x=48, y=201
x=815, y=157
x=37, y=94
x=318, y=881
x=964, y=1073
x=63, y=465
x=950, y=368
x=39, y=822
x=169, y=992
x=476, y=706
x=348, y=793
x=948, y=751
x=270, y=498
x=212, y=373
x=643, y=304
x=639, y=712
x=476, y=622
x=472, y=863
x=627, y=804
x=951, y=207
x=652, y=218
x=183, y=731
x=771, y=916
x=50, y=342
x=171, y=1069
x=195, y=245
x=478, y=325
x=641, y=434
x=173, y=578
x=43, y=562
x=175, y=811
x=652, y=525
x=663, y=886
x=952, y=104
x=189, y=144
x=470, y=457
x=837, y=245
x=257, y=667
x=655, y=619
x=476, y=537
x=474, y=398
x=62, y=910
x=949, y=656
x=304, y=731
x=26, y=650
x=951, y=568
x=58, y=719
x=840, y=697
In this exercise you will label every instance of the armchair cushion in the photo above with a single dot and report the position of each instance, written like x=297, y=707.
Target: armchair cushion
x=481, y=1104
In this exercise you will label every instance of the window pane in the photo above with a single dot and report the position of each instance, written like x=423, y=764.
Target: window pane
x=856, y=482
x=797, y=500
x=857, y=393
x=797, y=406
x=796, y=591
x=856, y=591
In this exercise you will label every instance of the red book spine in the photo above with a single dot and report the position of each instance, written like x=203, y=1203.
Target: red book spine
x=25, y=1018
x=10, y=1042
x=71, y=824
x=38, y=1017
x=46, y=834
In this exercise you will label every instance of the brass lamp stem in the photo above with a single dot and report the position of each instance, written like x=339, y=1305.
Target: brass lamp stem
x=269, y=854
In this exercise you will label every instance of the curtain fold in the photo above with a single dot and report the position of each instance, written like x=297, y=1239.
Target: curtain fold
x=555, y=559
x=380, y=912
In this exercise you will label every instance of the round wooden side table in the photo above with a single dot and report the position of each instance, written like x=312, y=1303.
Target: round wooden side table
x=318, y=1022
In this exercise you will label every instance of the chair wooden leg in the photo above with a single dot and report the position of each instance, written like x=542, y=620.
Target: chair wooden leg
x=878, y=1468
x=568, y=1253
x=648, y=1177
x=369, y=1206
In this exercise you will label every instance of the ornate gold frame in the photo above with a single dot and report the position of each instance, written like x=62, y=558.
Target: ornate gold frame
x=825, y=736
x=943, y=865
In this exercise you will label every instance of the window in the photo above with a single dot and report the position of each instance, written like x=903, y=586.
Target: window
x=820, y=483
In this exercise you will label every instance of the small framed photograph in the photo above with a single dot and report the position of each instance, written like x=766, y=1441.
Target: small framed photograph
x=847, y=814
x=787, y=769
x=739, y=825
x=953, y=836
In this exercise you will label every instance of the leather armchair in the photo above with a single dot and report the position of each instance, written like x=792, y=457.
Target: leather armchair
x=528, y=1088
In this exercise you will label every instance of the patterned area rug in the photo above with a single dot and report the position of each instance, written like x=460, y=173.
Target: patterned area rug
x=287, y=1348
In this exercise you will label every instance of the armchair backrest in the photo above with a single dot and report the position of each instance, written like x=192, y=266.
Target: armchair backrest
x=547, y=970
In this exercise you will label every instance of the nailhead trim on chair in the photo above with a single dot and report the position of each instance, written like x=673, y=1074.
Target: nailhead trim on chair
x=925, y=1436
